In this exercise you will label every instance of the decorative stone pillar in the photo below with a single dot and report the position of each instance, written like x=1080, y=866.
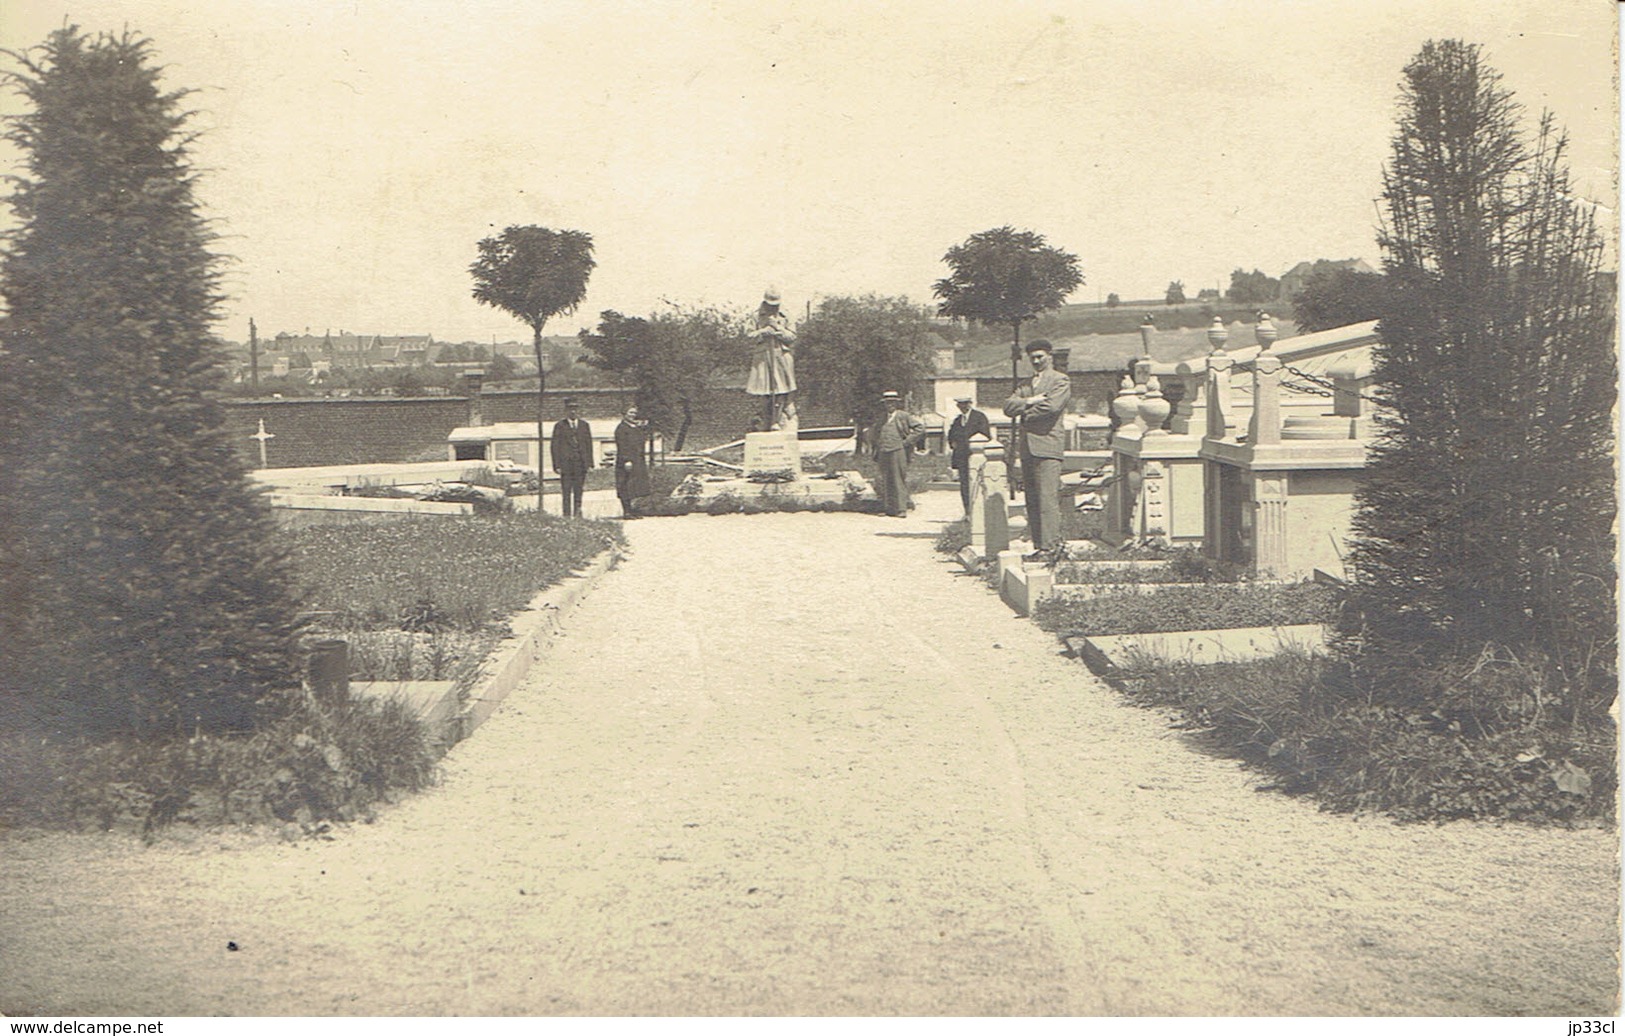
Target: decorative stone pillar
x=1269, y=500
x=1153, y=409
x=1265, y=427
x=977, y=515
x=473, y=385
x=1220, y=409
x=1153, y=502
x=994, y=492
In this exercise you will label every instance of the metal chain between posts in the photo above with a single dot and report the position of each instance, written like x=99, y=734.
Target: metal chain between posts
x=1325, y=387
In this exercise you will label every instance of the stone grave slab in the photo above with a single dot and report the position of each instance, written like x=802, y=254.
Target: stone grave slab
x=432, y=702
x=1106, y=655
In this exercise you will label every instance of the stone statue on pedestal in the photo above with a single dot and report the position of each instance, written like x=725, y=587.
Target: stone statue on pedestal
x=773, y=371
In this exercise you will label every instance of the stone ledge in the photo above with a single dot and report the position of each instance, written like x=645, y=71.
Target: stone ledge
x=510, y=663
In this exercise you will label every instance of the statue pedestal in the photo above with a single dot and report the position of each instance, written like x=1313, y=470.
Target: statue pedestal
x=772, y=451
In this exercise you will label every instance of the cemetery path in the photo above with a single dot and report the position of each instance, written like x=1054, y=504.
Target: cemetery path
x=797, y=764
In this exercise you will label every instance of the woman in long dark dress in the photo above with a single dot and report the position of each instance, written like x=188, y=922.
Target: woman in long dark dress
x=631, y=463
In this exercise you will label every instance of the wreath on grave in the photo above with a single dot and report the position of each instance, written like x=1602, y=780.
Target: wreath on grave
x=767, y=478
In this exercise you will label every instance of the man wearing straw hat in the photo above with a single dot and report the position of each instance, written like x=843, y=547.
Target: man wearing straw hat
x=893, y=437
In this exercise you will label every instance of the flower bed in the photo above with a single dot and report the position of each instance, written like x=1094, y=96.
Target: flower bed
x=428, y=599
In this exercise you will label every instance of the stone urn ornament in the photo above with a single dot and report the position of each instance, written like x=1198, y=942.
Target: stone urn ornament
x=1154, y=408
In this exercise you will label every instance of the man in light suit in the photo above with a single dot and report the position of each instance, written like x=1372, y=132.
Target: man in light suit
x=1039, y=406
x=572, y=456
x=893, y=437
x=969, y=421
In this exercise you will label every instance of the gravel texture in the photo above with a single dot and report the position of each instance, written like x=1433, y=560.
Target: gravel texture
x=799, y=764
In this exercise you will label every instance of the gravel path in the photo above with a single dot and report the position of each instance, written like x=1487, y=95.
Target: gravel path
x=797, y=764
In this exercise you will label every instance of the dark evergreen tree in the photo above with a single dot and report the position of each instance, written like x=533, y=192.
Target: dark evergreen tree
x=1488, y=505
x=140, y=591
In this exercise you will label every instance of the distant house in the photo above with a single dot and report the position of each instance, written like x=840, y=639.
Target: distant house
x=346, y=350
x=1293, y=280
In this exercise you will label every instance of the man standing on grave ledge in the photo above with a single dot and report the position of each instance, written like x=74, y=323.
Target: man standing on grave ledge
x=1039, y=406
x=970, y=421
x=894, y=437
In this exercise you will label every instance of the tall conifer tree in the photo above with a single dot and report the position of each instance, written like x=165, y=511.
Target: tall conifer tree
x=1488, y=505
x=139, y=590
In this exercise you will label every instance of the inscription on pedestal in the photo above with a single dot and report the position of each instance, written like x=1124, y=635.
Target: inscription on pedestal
x=772, y=451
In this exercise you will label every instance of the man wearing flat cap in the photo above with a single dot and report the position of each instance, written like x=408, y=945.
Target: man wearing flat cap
x=893, y=437
x=1039, y=406
x=968, y=422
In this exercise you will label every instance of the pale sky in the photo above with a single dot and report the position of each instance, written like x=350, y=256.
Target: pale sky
x=356, y=151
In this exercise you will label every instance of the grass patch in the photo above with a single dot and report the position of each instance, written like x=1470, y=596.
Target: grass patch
x=320, y=762
x=1175, y=609
x=416, y=598
x=428, y=575
x=1179, y=565
x=1504, y=741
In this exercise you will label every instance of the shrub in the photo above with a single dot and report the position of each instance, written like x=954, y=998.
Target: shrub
x=1176, y=608
x=954, y=537
x=322, y=761
x=1517, y=748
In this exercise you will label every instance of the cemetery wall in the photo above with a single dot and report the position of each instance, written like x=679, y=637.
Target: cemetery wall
x=357, y=430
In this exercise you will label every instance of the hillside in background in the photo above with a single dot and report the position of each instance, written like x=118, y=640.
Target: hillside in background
x=1102, y=338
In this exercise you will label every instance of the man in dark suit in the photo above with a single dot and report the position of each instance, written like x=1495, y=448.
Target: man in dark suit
x=572, y=455
x=1040, y=406
x=969, y=421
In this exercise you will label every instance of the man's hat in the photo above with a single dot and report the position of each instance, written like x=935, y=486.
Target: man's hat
x=888, y=396
x=771, y=296
x=1040, y=343
x=963, y=399
x=570, y=401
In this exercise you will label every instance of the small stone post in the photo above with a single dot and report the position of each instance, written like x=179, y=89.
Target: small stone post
x=995, y=502
x=330, y=669
x=1265, y=426
x=977, y=516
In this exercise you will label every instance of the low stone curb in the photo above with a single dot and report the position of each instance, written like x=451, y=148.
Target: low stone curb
x=507, y=666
